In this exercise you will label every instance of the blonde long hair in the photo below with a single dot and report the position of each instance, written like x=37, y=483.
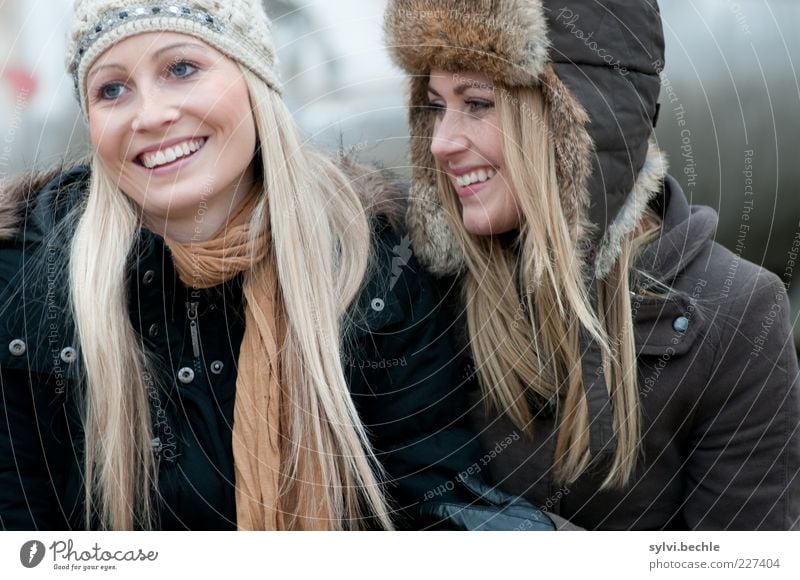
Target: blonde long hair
x=527, y=302
x=322, y=256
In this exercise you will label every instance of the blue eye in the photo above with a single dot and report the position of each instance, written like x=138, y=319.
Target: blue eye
x=479, y=106
x=182, y=69
x=111, y=91
x=436, y=108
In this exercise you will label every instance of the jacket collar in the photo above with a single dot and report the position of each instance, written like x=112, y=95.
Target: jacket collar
x=685, y=231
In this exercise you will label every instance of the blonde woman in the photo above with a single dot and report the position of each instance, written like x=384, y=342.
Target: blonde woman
x=634, y=374
x=182, y=315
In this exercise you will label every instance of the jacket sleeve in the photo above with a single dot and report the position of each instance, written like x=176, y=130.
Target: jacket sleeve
x=409, y=374
x=742, y=467
x=31, y=455
x=408, y=381
x=30, y=469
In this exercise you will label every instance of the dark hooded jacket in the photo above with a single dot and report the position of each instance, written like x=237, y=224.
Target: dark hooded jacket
x=405, y=377
x=718, y=376
x=720, y=400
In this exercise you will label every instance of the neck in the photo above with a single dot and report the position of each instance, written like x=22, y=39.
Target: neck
x=203, y=222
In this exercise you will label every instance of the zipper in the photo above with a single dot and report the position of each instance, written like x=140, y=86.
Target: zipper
x=191, y=312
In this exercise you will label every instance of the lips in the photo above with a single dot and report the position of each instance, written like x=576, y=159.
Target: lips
x=167, y=154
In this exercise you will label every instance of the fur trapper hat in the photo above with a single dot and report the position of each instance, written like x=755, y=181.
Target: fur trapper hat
x=597, y=63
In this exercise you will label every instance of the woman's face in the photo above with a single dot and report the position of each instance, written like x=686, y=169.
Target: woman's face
x=468, y=145
x=170, y=119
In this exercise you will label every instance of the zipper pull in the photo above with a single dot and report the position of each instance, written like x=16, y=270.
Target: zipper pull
x=191, y=312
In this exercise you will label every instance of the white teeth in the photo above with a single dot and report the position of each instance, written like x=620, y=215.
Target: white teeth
x=162, y=157
x=475, y=177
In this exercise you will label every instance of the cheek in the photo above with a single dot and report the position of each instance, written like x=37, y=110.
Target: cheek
x=236, y=118
x=244, y=113
x=511, y=213
x=106, y=137
x=493, y=144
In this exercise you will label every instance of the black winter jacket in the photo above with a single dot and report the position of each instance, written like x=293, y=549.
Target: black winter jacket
x=404, y=373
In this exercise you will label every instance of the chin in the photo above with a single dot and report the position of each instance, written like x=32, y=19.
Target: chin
x=477, y=229
x=483, y=225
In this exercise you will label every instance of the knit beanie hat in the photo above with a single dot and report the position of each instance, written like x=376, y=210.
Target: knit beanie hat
x=597, y=63
x=240, y=29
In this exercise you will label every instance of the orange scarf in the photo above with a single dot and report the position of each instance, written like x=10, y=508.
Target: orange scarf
x=256, y=415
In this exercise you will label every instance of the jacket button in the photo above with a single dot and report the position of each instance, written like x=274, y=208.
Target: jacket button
x=148, y=277
x=680, y=324
x=216, y=367
x=153, y=330
x=186, y=375
x=68, y=355
x=377, y=304
x=17, y=347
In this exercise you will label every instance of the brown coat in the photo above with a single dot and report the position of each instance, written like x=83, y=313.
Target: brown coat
x=720, y=400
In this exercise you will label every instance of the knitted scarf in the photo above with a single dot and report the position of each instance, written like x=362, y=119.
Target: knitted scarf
x=256, y=415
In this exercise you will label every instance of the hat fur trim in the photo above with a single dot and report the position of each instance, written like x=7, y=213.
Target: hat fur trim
x=507, y=40
x=649, y=183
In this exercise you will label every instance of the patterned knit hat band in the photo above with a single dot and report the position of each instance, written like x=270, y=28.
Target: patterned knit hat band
x=240, y=29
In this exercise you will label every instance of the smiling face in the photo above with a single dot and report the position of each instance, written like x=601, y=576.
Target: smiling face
x=170, y=119
x=468, y=145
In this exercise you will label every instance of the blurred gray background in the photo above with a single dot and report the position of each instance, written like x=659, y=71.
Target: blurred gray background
x=731, y=76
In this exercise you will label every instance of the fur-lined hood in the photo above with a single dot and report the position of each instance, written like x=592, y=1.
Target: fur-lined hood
x=597, y=64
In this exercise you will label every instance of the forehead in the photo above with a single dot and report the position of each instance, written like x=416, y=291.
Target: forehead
x=132, y=50
x=459, y=81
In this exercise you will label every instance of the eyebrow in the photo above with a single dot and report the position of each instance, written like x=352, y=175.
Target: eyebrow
x=156, y=55
x=161, y=51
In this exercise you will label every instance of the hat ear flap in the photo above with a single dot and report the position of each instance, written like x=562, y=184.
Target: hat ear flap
x=573, y=150
x=432, y=237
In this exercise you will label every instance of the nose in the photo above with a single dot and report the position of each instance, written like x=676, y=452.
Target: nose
x=156, y=110
x=449, y=136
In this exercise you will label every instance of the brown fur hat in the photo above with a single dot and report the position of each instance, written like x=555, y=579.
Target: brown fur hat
x=601, y=94
x=505, y=40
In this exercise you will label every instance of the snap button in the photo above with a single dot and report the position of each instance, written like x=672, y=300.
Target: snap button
x=148, y=277
x=68, y=354
x=680, y=324
x=17, y=347
x=153, y=330
x=377, y=304
x=186, y=375
x=216, y=367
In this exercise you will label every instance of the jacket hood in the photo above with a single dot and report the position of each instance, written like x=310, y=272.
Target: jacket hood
x=597, y=64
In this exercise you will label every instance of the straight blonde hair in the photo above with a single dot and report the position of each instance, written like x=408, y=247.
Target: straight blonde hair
x=321, y=242
x=528, y=303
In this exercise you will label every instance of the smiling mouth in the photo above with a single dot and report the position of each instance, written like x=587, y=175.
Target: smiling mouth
x=170, y=155
x=476, y=177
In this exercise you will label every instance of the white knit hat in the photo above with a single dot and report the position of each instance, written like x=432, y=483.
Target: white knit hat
x=239, y=29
